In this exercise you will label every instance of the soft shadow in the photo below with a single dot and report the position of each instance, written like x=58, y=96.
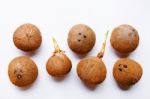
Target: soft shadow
x=60, y=78
x=121, y=55
x=79, y=56
x=90, y=87
x=25, y=88
x=31, y=53
x=124, y=88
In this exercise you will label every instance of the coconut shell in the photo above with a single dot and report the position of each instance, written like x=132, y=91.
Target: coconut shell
x=58, y=65
x=124, y=39
x=27, y=37
x=81, y=38
x=22, y=71
x=91, y=70
x=127, y=72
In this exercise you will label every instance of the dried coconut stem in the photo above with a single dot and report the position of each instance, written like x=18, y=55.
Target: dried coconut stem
x=56, y=46
x=101, y=53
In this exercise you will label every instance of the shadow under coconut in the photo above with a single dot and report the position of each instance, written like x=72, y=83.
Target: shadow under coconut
x=122, y=55
x=79, y=56
x=25, y=88
x=93, y=87
x=31, y=53
x=124, y=88
x=90, y=86
x=60, y=78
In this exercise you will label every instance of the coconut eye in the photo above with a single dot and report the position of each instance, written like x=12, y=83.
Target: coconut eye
x=79, y=33
x=125, y=66
x=79, y=40
x=119, y=65
x=19, y=76
x=119, y=69
x=84, y=36
x=133, y=30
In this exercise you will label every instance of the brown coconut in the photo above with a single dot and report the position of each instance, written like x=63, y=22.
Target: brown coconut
x=127, y=72
x=91, y=70
x=27, y=37
x=58, y=64
x=124, y=39
x=22, y=71
x=81, y=38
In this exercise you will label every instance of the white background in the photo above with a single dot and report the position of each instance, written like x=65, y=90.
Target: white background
x=55, y=18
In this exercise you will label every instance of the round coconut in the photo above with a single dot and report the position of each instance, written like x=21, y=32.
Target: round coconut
x=91, y=70
x=127, y=72
x=22, y=71
x=27, y=37
x=81, y=38
x=124, y=39
x=58, y=65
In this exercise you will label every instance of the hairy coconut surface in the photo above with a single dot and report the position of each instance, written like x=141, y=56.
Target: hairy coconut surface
x=124, y=38
x=27, y=37
x=91, y=70
x=81, y=38
x=22, y=71
x=58, y=65
x=127, y=72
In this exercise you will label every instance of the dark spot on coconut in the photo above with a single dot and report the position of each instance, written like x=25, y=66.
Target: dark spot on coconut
x=79, y=33
x=120, y=69
x=20, y=70
x=132, y=34
x=119, y=65
x=125, y=66
x=79, y=40
x=133, y=30
x=15, y=71
x=19, y=76
x=29, y=36
x=84, y=36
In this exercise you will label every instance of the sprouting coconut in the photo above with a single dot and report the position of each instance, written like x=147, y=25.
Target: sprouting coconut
x=92, y=70
x=58, y=64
